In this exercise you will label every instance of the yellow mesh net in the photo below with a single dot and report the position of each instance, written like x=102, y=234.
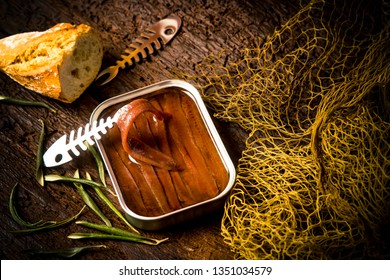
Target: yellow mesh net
x=313, y=181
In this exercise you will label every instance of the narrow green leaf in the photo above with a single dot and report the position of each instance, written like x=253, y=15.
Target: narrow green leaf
x=120, y=232
x=88, y=235
x=89, y=201
x=63, y=253
x=109, y=229
x=22, y=102
x=51, y=225
x=14, y=213
x=39, y=166
x=99, y=162
x=55, y=177
x=103, y=197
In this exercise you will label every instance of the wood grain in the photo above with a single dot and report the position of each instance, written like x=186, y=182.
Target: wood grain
x=208, y=26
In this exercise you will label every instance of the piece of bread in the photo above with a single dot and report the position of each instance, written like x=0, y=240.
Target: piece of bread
x=60, y=62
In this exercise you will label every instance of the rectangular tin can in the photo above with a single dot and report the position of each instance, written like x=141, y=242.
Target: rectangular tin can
x=186, y=213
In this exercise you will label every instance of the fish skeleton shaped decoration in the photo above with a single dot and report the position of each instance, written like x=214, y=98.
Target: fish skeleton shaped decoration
x=148, y=42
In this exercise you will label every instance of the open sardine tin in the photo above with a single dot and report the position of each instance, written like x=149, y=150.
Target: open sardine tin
x=201, y=208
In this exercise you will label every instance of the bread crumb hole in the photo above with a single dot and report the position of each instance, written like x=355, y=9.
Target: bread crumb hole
x=75, y=73
x=87, y=68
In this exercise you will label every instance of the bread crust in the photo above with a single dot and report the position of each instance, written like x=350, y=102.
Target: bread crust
x=60, y=62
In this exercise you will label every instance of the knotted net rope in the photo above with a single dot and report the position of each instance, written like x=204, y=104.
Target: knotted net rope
x=313, y=181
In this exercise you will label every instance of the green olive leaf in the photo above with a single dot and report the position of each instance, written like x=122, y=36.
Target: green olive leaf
x=89, y=201
x=14, y=213
x=114, y=231
x=99, y=162
x=64, y=252
x=89, y=235
x=49, y=225
x=55, y=177
x=22, y=102
x=103, y=197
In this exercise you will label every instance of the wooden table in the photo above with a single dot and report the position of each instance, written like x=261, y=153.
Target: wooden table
x=208, y=26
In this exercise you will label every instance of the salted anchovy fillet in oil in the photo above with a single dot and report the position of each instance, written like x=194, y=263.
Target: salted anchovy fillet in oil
x=135, y=147
x=189, y=153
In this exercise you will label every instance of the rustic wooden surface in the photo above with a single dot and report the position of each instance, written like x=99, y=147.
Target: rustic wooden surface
x=208, y=26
